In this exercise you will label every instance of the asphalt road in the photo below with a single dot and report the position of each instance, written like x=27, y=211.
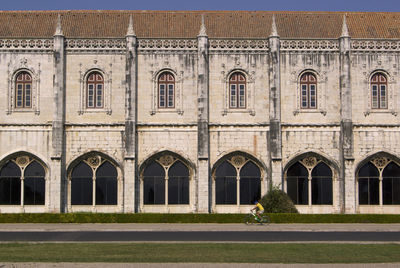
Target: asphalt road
x=203, y=236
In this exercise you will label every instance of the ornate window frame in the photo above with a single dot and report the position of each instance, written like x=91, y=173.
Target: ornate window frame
x=94, y=161
x=35, y=91
x=107, y=90
x=249, y=97
x=309, y=162
x=23, y=160
x=178, y=92
x=238, y=160
x=167, y=160
x=391, y=94
x=380, y=161
x=321, y=92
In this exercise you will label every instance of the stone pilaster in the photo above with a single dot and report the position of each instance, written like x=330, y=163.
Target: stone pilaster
x=203, y=172
x=346, y=124
x=131, y=182
x=58, y=183
x=275, y=133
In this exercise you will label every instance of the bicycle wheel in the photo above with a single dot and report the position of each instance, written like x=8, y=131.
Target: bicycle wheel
x=249, y=219
x=265, y=219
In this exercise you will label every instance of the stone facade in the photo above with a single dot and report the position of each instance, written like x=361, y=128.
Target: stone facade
x=273, y=130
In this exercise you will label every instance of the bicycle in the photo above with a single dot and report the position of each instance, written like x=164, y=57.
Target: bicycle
x=253, y=218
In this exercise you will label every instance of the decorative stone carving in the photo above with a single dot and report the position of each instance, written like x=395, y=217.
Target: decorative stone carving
x=365, y=45
x=380, y=162
x=93, y=161
x=167, y=44
x=96, y=44
x=309, y=162
x=22, y=161
x=329, y=45
x=166, y=160
x=235, y=45
x=27, y=44
x=238, y=161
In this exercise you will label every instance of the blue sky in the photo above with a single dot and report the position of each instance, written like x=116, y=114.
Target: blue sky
x=302, y=5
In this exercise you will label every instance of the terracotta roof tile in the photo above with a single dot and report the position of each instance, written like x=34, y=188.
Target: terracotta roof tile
x=186, y=24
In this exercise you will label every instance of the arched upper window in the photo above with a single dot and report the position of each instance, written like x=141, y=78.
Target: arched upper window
x=94, y=181
x=27, y=172
x=23, y=90
x=95, y=90
x=379, y=91
x=309, y=173
x=166, y=181
x=237, y=90
x=308, y=90
x=166, y=90
x=234, y=173
x=379, y=176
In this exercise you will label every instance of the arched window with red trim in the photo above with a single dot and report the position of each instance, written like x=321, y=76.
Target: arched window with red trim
x=23, y=90
x=237, y=90
x=166, y=90
x=308, y=91
x=95, y=90
x=378, y=91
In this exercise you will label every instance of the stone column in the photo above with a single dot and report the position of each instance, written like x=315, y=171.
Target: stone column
x=131, y=185
x=203, y=182
x=58, y=183
x=275, y=133
x=346, y=123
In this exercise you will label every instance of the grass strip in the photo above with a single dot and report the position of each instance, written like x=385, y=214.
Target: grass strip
x=192, y=218
x=199, y=252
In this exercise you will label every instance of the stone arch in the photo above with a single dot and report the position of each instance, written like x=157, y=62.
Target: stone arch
x=259, y=163
x=376, y=155
x=331, y=163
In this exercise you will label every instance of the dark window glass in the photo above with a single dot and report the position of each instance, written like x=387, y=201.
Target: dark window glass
x=166, y=90
x=10, y=184
x=297, y=184
x=237, y=86
x=225, y=184
x=106, y=184
x=95, y=86
x=154, y=184
x=378, y=97
x=308, y=85
x=321, y=186
x=391, y=184
x=82, y=185
x=178, y=184
x=34, y=184
x=250, y=183
x=368, y=185
x=23, y=90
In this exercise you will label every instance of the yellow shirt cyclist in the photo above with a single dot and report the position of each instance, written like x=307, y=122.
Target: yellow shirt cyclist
x=258, y=208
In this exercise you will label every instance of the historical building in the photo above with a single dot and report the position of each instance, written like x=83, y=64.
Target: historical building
x=199, y=112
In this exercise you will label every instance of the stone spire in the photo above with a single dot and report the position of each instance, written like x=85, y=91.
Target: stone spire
x=345, y=30
x=58, y=28
x=202, y=27
x=131, y=31
x=274, y=31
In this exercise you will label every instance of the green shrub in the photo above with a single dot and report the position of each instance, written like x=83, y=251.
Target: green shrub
x=277, y=201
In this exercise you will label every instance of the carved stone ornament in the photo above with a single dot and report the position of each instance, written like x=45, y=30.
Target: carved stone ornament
x=166, y=160
x=309, y=162
x=94, y=161
x=380, y=162
x=238, y=161
x=22, y=161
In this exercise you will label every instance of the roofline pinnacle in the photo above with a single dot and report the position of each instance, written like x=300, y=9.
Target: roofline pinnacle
x=58, y=27
x=274, y=31
x=202, y=27
x=130, y=31
x=345, y=29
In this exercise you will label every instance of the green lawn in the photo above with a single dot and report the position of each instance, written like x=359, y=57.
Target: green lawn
x=199, y=252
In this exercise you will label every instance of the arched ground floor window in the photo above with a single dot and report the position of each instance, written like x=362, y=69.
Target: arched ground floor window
x=309, y=182
x=22, y=182
x=165, y=180
x=93, y=181
x=236, y=181
x=379, y=182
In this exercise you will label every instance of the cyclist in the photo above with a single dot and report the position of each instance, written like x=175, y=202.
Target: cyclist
x=259, y=209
